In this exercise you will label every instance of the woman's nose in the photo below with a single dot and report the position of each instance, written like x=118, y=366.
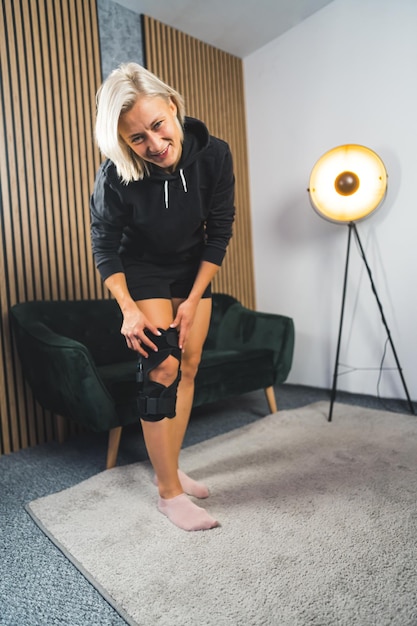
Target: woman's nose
x=154, y=144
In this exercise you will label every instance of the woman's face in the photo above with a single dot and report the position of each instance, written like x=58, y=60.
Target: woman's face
x=151, y=129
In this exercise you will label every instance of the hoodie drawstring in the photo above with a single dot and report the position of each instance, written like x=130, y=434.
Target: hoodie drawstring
x=184, y=184
x=166, y=193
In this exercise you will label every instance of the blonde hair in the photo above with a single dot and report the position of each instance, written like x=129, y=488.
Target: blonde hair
x=118, y=94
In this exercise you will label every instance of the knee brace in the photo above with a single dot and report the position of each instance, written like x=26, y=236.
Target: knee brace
x=155, y=401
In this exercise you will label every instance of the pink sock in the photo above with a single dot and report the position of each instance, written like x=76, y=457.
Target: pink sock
x=185, y=514
x=190, y=486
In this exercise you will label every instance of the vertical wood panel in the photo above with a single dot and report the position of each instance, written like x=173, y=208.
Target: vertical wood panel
x=50, y=71
x=211, y=82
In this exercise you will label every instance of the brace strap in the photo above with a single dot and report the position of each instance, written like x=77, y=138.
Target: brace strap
x=154, y=406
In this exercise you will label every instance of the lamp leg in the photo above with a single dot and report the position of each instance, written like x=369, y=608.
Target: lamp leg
x=336, y=365
x=410, y=404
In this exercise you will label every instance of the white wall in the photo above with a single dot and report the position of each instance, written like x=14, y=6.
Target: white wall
x=348, y=74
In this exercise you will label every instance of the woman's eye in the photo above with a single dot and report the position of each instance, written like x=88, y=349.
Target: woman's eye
x=157, y=125
x=137, y=139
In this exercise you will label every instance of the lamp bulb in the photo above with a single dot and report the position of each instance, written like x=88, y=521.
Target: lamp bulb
x=347, y=183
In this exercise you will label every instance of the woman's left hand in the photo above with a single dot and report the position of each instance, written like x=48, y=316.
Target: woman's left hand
x=184, y=320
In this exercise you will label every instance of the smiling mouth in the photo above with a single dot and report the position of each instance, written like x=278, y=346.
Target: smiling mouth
x=160, y=155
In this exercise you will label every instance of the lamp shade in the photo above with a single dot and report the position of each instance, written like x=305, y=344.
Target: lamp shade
x=347, y=183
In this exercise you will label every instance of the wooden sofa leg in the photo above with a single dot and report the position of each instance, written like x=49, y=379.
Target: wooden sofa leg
x=113, y=448
x=61, y=428
x=270, y=397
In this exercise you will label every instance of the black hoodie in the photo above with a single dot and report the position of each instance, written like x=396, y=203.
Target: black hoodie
x=166, y=218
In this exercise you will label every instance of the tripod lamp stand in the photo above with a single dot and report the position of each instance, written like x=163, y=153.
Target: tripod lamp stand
x=347, y=184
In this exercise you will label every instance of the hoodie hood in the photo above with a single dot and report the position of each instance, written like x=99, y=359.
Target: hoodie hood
x=196, y=140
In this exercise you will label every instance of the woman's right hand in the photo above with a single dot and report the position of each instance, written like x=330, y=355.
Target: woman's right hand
x=133, y=329
x=134, y=321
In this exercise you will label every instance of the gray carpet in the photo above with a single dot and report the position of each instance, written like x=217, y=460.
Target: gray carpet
x=318, y=527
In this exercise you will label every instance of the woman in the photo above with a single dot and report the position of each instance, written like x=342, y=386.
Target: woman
x=162, y=211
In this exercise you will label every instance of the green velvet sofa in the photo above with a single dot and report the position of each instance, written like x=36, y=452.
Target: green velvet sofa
x=78, y=365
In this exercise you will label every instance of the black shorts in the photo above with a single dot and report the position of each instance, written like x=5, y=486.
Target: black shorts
x=147, y=280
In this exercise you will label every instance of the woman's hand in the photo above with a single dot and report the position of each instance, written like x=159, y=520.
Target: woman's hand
x=133, y=329
x=134, y=321
x=184, y=320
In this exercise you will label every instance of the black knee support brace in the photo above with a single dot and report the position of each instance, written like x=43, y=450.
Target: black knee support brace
x=155, y=401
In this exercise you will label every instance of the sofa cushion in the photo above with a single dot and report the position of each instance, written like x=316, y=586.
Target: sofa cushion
x=225, y=373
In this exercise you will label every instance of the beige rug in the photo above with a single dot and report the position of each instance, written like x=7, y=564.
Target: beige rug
x=319, y=527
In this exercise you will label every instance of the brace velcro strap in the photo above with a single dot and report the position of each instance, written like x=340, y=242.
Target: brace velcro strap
x=155, y=406
x=167, y=340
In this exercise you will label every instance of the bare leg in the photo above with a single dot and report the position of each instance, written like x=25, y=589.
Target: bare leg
x=163, y=439
x=163, y=455
x=191, y=358
x=172, y=501
x=190, y=362
x=183, y=407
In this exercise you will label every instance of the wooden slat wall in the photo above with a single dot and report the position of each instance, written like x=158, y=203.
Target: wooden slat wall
x=50, y=71
x=211, y=81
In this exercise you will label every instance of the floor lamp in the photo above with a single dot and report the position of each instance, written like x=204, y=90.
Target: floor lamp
x=347, y=184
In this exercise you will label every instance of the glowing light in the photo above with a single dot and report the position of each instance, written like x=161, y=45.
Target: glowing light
x=347, y=183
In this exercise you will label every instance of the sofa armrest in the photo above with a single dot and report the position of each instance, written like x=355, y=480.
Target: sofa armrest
x=63, y=376
x=244, y=329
